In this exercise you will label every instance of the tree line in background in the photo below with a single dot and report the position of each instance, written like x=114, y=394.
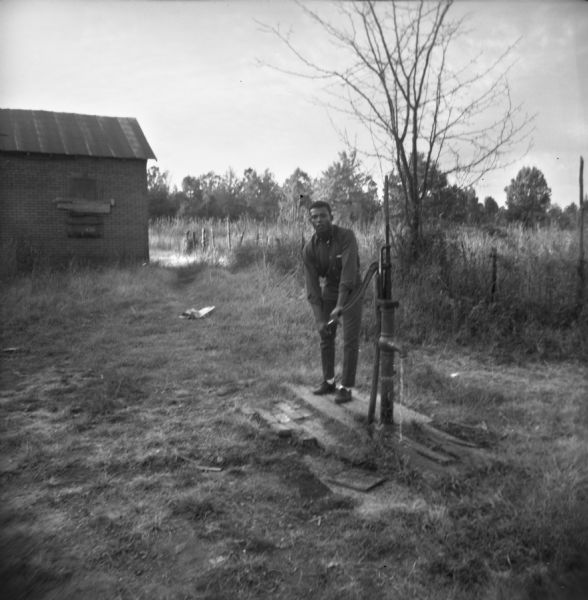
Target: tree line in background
x=354, y=196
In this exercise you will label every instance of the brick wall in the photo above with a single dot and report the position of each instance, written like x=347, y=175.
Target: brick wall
x=29, y=217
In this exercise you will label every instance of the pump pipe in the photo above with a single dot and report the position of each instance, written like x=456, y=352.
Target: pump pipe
x=359, y=292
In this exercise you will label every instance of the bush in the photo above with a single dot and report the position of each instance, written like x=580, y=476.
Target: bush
x=285, y=256
x=245, y=255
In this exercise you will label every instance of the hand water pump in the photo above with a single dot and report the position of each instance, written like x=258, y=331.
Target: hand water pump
x=385, y=346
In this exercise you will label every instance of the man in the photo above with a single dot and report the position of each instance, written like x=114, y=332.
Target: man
x=331, y=267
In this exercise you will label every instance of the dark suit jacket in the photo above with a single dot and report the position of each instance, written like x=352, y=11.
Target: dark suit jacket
x=337, y=260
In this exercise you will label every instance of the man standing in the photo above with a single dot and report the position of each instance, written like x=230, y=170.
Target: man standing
x=331, y=267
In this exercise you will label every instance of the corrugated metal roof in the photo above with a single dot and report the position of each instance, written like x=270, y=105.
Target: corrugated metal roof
x=72, y=134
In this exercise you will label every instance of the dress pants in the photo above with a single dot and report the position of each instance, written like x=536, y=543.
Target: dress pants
x=351, y=326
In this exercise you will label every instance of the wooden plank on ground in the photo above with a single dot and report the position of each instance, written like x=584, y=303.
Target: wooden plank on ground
x=444, y=437
x=429, y=468
x=357, y=479
x=466, y=452
x=438, y=457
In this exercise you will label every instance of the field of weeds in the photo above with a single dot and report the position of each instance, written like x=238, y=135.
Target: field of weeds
x=510, y=291
x=128, y=469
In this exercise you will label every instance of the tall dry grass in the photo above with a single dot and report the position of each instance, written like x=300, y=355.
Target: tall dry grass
x=450, y=294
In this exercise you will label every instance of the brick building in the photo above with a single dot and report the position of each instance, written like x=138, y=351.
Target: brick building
x=72, y=187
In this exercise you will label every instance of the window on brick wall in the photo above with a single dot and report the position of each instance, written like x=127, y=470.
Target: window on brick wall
x=82, y=188
x=84, y=226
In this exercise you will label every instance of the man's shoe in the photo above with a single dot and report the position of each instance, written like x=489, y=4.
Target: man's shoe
x=342, y=396
x=324, y=388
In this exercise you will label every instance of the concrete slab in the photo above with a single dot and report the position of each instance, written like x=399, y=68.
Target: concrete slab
x=327, y=408
x=402, y=414
x=354, y=413
x=433, y=453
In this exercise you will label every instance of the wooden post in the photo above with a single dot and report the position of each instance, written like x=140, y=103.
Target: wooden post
x=228, y=233
x=203, y=240
x=494, y=256
x=581, y=271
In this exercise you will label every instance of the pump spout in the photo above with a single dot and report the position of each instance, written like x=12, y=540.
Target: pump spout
x=388, y=345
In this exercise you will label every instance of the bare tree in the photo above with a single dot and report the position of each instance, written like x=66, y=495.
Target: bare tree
x=402, y=80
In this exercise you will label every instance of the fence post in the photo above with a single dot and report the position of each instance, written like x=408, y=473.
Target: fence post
x=494, y=256
x=203, y=241
x=229, y=233
x=190, y=242
x=581, y=271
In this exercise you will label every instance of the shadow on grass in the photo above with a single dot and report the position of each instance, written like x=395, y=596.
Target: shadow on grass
x=27, y=570
x=187, y=274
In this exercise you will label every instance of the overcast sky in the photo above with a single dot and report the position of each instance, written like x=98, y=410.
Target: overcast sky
x=193, y=75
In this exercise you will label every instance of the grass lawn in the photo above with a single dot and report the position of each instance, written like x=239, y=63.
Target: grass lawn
x=129, y=471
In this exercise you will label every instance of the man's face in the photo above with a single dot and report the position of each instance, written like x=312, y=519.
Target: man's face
x=321, y=219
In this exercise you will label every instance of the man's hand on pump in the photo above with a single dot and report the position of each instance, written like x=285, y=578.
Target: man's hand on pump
x=326, y=327
x=335, y=315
